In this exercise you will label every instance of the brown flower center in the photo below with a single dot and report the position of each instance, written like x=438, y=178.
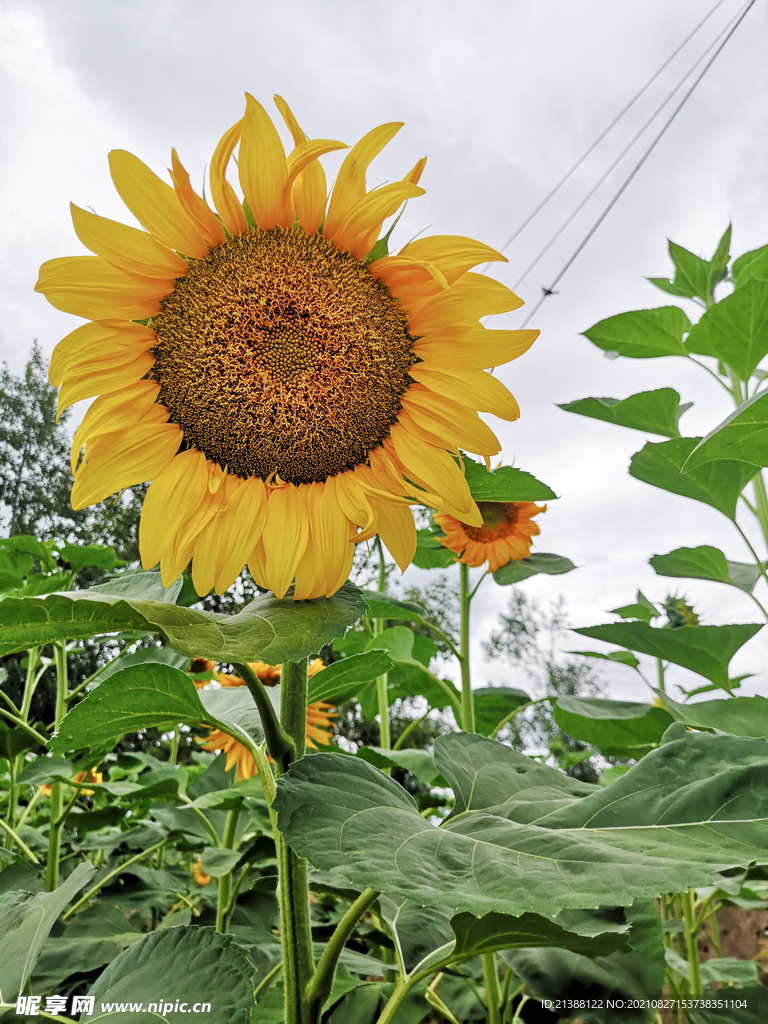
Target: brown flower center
x=499, y=518
x=279, y=353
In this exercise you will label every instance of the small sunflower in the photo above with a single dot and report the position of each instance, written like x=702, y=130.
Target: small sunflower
x=505, y=534
x=319, y=724
x=92, y=776
x=287, y=392
x=199, y=876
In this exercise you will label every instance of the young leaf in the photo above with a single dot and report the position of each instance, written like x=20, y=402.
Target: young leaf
x=642, y=333
x=341, y=680
x=504, y=484
x=620, y=657
x=611, y=725
x=706, y=650
x=193, y=965
x=654, y=412
x=692, y=273
x=668, y=465
x=706, y=563
x=78, y=556
x=524, y=568
x=742, y=436
x=742, y=716
x=417, y=762
x=735, y=330
x=494, y=703
x=751, y=264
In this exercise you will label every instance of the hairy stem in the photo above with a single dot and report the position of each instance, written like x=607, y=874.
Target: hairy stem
x=467, y=701
x=382, y=690
x=280, y=745
x=225, y=881
x=108, y=878
x=689, y=917
x=57, y=799
x=492, y=993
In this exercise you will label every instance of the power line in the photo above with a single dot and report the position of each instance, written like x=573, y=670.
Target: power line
x=605, y=131
x=549, y=291
x=619, y=158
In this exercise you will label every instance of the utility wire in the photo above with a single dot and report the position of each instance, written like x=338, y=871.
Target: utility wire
x=549, y=291
x=620, y=157
x=602, y=135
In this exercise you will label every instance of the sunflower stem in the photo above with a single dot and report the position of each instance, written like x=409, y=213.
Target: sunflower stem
x=382, y=688
x=280, y=745
x=467, y=700
x=57, y=792
x=225, y=880
x=298, y=955
x=492, y=993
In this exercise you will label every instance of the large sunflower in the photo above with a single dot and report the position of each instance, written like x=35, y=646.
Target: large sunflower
x=505, y=535
x=286, y=392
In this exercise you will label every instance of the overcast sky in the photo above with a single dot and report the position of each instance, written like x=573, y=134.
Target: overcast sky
x=502, y=96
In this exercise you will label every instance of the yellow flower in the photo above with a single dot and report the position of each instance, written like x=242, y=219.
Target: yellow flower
x=285, y=396
x=199, y=876
x=504, y=536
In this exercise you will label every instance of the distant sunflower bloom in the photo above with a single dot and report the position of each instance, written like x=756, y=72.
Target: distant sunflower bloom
x=93, y=776
x=505, y=535
x=199, y=876
x=287, y=392
x=319, y=724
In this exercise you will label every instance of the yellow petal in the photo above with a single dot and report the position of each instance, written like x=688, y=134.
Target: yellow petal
x=170, y=500
x=155, y=205
x=222, y=548
x=448, y=419
x=90, y=287
x=414, y=175
x=350, y=181
x=257, y=566
x=224, y=197
x=435, y=470
x=473, y=346
x=399, y=272
x=426, y=435
x=310, y=572
x=359, y=230
x=355, y=505
x=176, y=560
x=309, y=189
x=397, y=532
x=290, y=120
x=262, y=168
x=285, y=536
x=194, y=205
x=125, y=247
x=335, y=534
x=96, y=340
x=117, y=411
x=471, y=297
x=453, y=254
x=103, y=377
x=475, y=388
x=121, y=459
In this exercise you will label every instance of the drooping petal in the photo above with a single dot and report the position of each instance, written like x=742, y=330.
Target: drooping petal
x=104, y=376
x=262, y=168
x=310, y=572
x=194, y=205
x=475, y=388
x=121, y=459
x=350, y=181
x=398, y=532
x=126, y=248
x=335, y=534
x=453, y=254
x=224, y=197
x=456, y=423
x=171, y=497
x=155, y=205
x=358, y=231
x=284, y=537
x=309, y=189
x=119, y=410
x=414, y=175
x=96, y=340
x=222, y=548
x=90, y=287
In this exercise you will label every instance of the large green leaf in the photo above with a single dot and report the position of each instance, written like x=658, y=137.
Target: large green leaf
x=78, y=556
x=149, y=696
x=194, y=965
x=735, y=330
x=504, y=484
x=521, y=569
x=666, y=464
x=268, y=629
x=418, y=762
x=494, y=703
x=341, y=680
x=706, y=650
x=611, y=725
x=696, y=805
x=706, y=563
x=576, y=975
x=430, y=553
x=654, y=412
x=742, y=716
x=382, y=606
x=25, y=922
x=742, y=436
x=93, y=938
x=642, y=333
x=411, y=675
x=475, y=936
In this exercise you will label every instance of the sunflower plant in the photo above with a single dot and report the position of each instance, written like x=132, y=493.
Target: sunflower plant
x=290, y=389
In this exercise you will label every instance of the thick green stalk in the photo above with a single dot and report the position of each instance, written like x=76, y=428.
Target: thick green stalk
x=225, y=881
x=467, y=701
x=492, y=993
x=689, y=917
x=57, y=799
x=298, y=956
x=321, y=983
x=280, y=747
x=761, y=499
x=660, y=667
x=382, y=689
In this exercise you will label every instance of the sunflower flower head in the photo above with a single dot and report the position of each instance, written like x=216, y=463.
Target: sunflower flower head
x=200, y=877
x=505, y=535
x=287, y=390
